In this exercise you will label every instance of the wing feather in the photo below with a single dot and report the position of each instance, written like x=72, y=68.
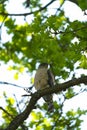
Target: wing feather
x=51, y=78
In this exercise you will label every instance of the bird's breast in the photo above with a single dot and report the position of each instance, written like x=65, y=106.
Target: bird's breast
x=41, y=79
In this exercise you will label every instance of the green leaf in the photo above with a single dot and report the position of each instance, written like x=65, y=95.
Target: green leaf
x=83, y=62
x=16, y=76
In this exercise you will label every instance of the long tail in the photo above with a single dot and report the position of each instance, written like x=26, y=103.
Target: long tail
x=49, y=101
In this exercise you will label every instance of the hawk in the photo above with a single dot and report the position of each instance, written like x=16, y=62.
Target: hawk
x=43, y=79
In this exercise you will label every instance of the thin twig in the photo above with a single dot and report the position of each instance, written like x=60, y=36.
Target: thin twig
x=6, y=83
x=32, y=12
x=10, y=115
x=17, y=103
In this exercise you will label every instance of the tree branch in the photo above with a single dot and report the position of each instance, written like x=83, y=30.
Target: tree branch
x=58, y=88
x=25, y=14
x=6, y=83
x=6, y=112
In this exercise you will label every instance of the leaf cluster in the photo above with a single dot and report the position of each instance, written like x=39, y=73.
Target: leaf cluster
x=47, y=38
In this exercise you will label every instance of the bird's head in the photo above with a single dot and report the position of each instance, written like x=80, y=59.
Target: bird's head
x=45, y=65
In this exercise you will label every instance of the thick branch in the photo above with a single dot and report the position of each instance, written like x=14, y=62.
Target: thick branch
x=25, y=14
x=58, y=88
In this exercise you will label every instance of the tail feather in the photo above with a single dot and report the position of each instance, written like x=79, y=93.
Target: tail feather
x=49, y=101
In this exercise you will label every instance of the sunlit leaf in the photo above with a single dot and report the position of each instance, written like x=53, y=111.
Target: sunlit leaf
x=10, y=68
x=21, y=69
x=16, y=76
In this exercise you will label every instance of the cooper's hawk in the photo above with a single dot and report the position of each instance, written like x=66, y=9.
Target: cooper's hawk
x=43, y=79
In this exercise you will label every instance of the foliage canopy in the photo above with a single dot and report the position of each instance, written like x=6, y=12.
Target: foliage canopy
x=51, y=38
